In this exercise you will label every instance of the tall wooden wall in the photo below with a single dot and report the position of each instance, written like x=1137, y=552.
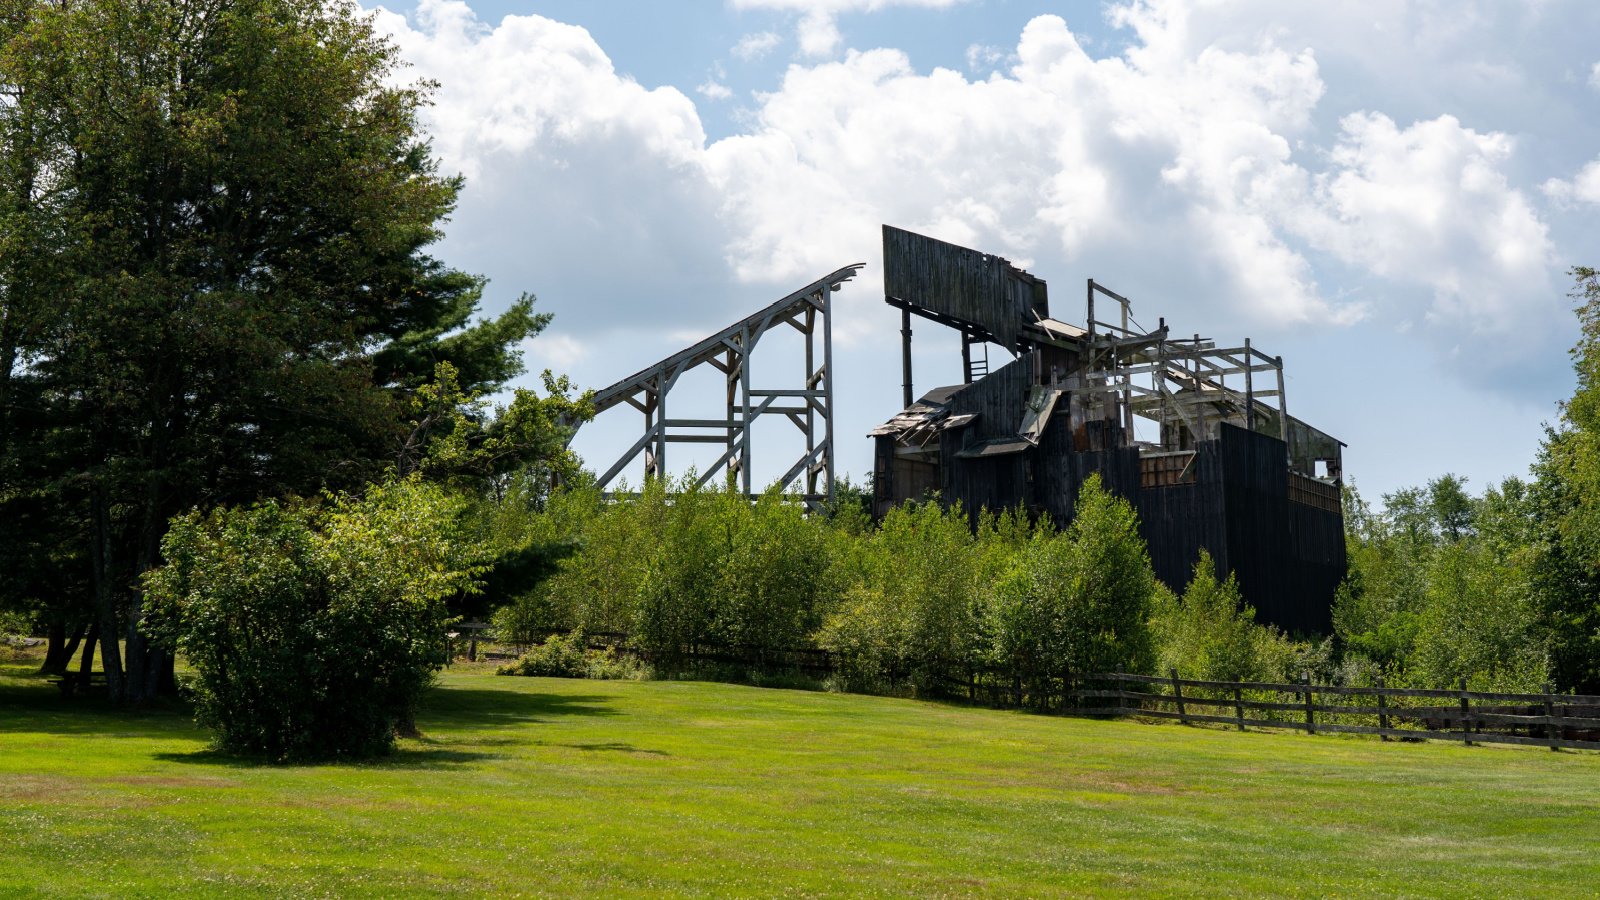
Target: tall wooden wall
x=1288, y=556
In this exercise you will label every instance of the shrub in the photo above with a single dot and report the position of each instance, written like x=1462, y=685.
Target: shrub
x=1073, y=603
x=560, y=656
x=908, y=613
x=1210, y=633
x=568, y=656
x=312, y=632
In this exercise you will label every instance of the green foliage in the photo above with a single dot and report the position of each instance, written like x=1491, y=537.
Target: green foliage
x=1210, y=633
x=454, y=440
x=909, y=607
x=312, y=631
x=214, y=280
x=568, y=656
x=1479, y=623
x=1442, y=586
x=1566, y=494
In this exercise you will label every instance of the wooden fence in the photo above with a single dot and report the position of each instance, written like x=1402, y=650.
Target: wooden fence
x=1471, y=717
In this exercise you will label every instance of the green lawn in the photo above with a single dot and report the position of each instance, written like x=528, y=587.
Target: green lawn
x=537, y=786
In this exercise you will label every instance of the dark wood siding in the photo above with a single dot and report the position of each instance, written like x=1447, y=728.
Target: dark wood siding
x=993, y=483
x=1255, y=484
x=960, y=284
x=1179, y=520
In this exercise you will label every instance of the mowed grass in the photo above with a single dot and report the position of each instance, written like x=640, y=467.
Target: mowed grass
x=541, y=786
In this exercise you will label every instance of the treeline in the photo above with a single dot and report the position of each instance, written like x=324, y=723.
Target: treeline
x=921, y=603
x=1502, y=588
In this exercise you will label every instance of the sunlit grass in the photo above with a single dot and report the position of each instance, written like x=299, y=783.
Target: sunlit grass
x=536, y=786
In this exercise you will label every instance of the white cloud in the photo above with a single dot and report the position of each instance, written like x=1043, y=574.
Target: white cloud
x=1594, y=76
x=1584, y=187
x=1430, y=204
x=712, y=89
x=818, y=29
x=757, y=45
x=1191, y=166
x=983, y=57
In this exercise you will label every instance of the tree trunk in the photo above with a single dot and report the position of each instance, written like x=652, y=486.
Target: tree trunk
x=87, y=665
x=56, y=653
x=104, y=597
x=58, y=658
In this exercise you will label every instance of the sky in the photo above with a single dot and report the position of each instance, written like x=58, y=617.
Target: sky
x=1388, y=194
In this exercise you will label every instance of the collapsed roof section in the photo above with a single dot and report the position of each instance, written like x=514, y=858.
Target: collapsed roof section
x=1101, y=374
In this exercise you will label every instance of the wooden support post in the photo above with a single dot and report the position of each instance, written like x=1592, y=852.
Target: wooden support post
x=1383, y=711
x=1177, y=696
x=1551, y=732
x=1283, y=404
x=810, y=383
x=827, y=383
x=1249, y=388
x=1238, y=706
x=1311, y=707
x=744, y=399
x=905, y=355
x=661, y=435
x=1466, y=730
x=731, y=378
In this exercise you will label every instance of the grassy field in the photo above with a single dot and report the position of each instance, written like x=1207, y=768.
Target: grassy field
x=537, y=786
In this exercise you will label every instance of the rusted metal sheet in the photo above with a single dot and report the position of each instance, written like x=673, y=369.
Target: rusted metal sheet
x=984, y=294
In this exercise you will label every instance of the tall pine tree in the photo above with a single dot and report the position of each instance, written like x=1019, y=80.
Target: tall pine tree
x=214, y=283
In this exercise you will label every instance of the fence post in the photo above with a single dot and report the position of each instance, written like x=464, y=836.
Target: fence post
x=1177, y=695
x=1466, y=732
x=1311, y=719
x=1238, y=706
x=1383, y=711
x=1551, y=732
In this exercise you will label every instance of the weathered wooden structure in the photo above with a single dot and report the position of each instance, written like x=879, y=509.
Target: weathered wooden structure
x=1227, y=468
x=807, y=403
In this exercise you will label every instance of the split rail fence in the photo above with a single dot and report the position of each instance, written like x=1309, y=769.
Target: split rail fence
x=1471, y=717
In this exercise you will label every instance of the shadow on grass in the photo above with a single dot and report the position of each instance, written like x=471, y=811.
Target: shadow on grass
x=400, y=758
x=612, y=746
x=33, y=705
x=478, y=708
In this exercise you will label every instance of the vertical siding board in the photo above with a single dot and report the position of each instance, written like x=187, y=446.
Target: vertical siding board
x=959, y=283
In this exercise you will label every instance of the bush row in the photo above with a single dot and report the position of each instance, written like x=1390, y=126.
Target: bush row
x=930, y=601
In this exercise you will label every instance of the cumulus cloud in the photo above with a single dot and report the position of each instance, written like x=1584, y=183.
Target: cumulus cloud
x=1431, y=204
x=1187, y=166
x=818, y=29
x=712, y=89
x=755, y=46
x=570, y=168
x=1584, y=187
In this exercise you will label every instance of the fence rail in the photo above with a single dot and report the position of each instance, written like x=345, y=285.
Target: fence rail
x=1547, y=720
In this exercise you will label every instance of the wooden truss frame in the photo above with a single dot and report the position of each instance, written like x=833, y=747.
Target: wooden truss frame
x=729, y=351
x=1188, y=376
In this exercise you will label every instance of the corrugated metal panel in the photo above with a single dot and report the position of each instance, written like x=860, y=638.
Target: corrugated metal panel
x=961, y=284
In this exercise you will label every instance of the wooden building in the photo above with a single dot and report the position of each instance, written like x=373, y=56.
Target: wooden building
x=1225, y=467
